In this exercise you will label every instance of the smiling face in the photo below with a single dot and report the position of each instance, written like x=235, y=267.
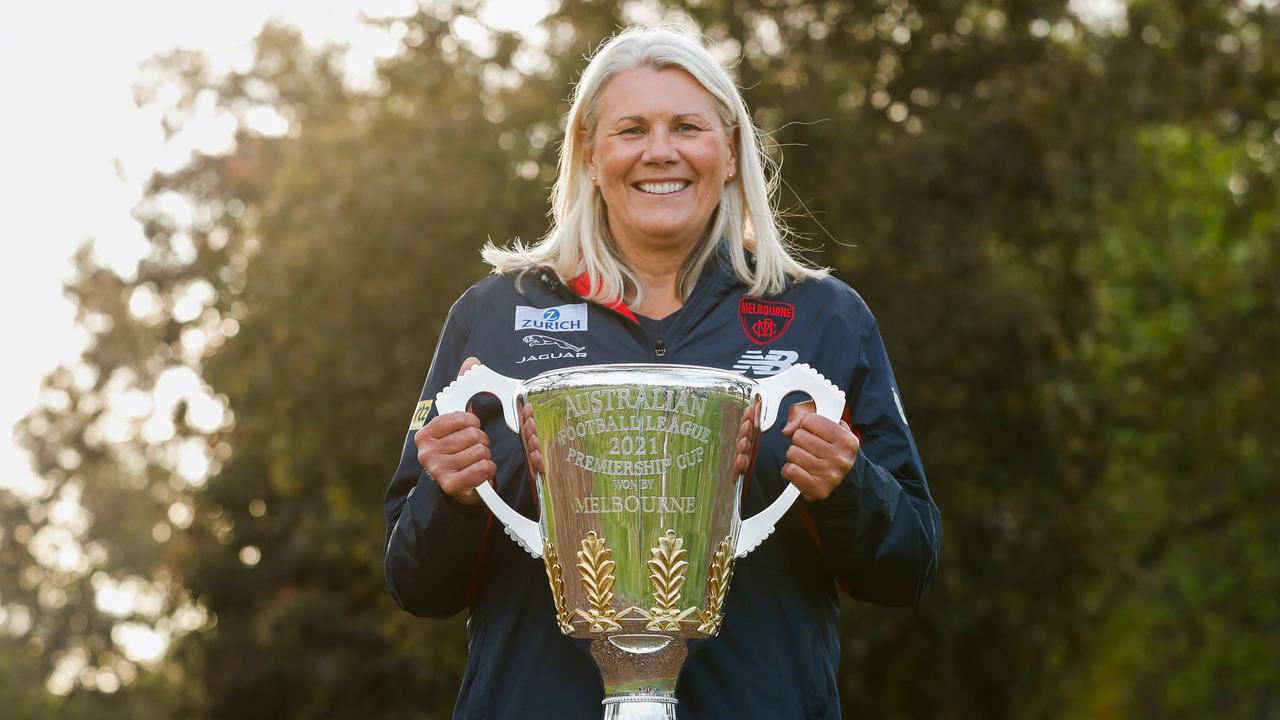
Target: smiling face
x=661, y=156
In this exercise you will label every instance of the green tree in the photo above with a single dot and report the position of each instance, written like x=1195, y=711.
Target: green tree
x=1068, y=231
x=1185, y=278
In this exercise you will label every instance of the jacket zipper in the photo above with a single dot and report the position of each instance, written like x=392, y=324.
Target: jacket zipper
x=660, y=349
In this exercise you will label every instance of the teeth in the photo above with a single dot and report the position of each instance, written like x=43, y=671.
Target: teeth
x=665, y=188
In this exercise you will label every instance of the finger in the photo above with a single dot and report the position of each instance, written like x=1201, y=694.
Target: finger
x=462, y=459
x=468, y=478
x=854, y=442
x=839, y=454
x=824, y=428
x=447, y=424
x=459, y=441
x=467, y=365
x=801, y=478
x=814, y=443
x=527, y=427
x=813, y=464
x=812, y=488
x=796, y=413
x=839, y=438
x=437, y=461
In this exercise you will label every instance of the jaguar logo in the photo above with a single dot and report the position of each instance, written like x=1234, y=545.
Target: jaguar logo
x=549, y=348
x=537, y=340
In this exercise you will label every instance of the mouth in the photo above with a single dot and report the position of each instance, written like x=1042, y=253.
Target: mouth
x=662, y=188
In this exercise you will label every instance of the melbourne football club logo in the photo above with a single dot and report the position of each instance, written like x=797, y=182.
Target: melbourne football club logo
x=758, y=363
x=764, y=320
x=549, y=348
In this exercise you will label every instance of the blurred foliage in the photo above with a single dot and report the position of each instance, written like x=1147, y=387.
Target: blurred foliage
x=1067, y=228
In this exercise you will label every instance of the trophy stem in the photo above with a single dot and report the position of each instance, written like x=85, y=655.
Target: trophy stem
x=640, y=707
x=639, y=677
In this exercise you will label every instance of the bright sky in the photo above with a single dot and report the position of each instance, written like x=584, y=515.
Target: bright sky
x=75, y=152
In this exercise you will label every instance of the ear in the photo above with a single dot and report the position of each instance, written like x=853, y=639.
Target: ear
x=588, y=152
x=734, y=144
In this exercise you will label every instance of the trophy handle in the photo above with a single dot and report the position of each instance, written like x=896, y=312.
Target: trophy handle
x=480, y=379
x=456, y=397
x=830, y=402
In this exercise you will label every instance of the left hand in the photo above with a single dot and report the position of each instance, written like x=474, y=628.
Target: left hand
x=821, y=453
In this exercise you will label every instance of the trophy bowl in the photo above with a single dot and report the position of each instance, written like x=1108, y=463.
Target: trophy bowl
x=639, y=472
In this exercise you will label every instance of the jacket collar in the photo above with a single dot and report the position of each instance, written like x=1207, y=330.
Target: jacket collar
x=717, y=278
x=582, y=286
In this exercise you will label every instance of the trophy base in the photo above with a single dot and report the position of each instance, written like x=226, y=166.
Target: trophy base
x=640, y=707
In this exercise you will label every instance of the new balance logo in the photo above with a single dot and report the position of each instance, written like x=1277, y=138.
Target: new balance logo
x=761, y=364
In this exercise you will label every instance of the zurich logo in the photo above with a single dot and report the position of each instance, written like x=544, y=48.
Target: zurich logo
x=562, y=318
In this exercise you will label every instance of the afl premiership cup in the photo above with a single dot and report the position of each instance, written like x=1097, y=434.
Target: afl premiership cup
x=639, y=472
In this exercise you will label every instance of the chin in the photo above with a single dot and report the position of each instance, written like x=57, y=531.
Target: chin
x=673, y=239
x=668, y=227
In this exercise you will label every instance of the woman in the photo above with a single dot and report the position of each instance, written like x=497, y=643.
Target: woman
x=665, y=248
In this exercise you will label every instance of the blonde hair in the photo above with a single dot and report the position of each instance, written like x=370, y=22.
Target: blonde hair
x=579, y=242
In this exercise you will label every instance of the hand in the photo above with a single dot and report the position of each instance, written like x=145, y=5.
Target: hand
x=748, y=432
x=532, y=447
x=455, y=450
x=821, y=453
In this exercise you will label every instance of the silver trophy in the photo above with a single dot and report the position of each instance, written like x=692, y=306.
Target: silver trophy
x=639, y=472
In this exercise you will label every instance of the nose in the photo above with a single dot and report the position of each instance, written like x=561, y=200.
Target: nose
x=660, y=149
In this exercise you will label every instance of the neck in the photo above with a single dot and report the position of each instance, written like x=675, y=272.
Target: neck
x=657, y=268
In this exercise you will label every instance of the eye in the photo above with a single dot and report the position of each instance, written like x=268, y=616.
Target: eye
x=633, y=130
x=685, y=127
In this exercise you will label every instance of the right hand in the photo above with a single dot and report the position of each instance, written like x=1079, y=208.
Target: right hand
x=455, y=450
x=748, y=434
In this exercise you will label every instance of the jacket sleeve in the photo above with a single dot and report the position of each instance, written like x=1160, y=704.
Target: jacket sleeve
x=432, y=544
x=880, y=530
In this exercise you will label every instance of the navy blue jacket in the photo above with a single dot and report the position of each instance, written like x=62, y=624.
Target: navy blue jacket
x=777, y=654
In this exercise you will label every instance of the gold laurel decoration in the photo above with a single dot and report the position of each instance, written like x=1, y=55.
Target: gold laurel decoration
x=667, y=568
x=719, y=573
x=595, y=567
x=557, y=586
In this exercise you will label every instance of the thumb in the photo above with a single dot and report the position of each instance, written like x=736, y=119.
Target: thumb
x=795, y=414
x=467, y=365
